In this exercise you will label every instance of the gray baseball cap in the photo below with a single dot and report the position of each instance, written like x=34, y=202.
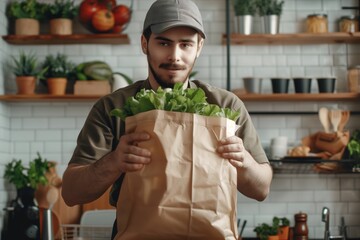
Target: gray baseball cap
x=166, y=14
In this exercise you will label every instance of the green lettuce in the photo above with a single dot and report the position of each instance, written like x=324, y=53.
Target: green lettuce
x=190, y=100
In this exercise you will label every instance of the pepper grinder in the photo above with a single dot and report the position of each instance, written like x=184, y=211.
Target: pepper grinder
x=301, y=230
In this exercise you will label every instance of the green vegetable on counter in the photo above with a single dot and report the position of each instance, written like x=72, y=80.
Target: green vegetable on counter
x=354, y=145
x=190, y=100
x=93, y=70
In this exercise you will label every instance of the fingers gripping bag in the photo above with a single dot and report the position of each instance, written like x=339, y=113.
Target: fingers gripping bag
x=187, y=191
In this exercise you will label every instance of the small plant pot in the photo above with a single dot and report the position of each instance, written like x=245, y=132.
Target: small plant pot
x=56, y=86
x=273, y=237
x=302, y=85
x=284, y=232
x=27, y=26
x=326, y=85
x=252, y=85
x=244, y=24
x=61, y=26
x=271, y=24
x=25, y=84
x=280, y=85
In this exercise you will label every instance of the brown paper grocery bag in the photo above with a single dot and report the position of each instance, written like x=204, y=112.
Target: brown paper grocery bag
x=188, y=191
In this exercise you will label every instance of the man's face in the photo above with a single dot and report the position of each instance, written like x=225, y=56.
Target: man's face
x=171, y=55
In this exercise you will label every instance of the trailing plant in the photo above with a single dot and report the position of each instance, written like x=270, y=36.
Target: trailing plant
x=31, y=176
x=57, y=66
x=26, y=65
x=62, y=9
x=269, y=7
x=26, y=9
x=244, y=7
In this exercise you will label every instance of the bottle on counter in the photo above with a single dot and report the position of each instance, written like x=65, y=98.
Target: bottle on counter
x=301, y=231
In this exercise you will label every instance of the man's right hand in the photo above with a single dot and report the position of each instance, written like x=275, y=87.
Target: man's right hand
x=130, y=157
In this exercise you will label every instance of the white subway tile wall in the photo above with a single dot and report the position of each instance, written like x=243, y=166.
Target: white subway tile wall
x=52, y=128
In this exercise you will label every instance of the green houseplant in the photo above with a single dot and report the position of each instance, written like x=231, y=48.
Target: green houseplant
x=58, y=70
x=244, y=15
x=264, y=231
x=31, y=176
x=27, y=71
x=269, y=7
x=27, y=15
x=61, y=13
x=354, y=149
x=270, y=11
x=244, y=7
x=283, y=227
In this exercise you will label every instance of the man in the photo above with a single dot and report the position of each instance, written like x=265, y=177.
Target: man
x=172, y=39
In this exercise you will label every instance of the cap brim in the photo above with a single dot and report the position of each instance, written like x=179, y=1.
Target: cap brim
x=162, y=27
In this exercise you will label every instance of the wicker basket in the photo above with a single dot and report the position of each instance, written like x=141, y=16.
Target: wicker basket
x=80, y=232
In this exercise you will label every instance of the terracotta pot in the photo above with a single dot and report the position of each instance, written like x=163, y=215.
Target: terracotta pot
x=274, y=237
x=61, y=26
x=56, y=86
x=26, y=84
x=27, y=26
x=284, y=232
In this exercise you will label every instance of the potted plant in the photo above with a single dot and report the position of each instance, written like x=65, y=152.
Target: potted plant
x=27, y=15
x=267, y=232
x=283, y=226
x=354, y=149
x=270, y=10
x=244, y=14
x=31, y=176
x=58, y=70
x=61, y=13
x=27, y=71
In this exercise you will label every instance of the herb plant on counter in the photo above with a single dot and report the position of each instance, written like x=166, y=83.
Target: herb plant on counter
x=190, y=100
x=21, y=176
x=354, y=149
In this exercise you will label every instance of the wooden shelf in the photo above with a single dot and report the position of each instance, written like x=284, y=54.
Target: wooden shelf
x=293, y=38
x=48, y=98
x=68, y=39
x=306, y=166
x=239, y=93
x=298, y=96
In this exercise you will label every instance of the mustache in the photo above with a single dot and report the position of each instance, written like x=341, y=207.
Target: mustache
x=172, y=66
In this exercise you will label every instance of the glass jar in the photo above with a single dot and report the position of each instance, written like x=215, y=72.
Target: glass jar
x=317, y=23
x=353, y=77
x=349, y=24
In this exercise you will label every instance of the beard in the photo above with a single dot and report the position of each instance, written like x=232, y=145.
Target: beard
x=170, y=82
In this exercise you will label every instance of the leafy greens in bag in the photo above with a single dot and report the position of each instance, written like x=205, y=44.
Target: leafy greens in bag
x=190, y=100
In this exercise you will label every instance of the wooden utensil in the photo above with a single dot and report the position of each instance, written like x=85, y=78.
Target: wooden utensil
x=345, y=115
x=335, y=118
x=324, y=118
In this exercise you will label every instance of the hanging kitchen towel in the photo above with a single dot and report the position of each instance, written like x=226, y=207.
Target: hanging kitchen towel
x=187, y=191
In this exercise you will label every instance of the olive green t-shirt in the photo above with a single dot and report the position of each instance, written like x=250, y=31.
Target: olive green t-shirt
x=101, y=132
